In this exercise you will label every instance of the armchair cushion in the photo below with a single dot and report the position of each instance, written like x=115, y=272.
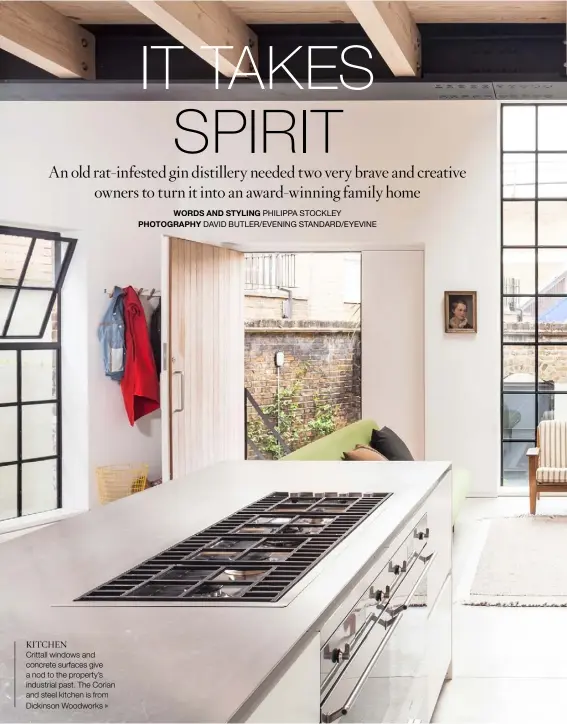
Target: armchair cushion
x=551, y=476
x=553, y=444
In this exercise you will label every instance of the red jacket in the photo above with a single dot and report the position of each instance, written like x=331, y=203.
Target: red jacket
x=140, y=384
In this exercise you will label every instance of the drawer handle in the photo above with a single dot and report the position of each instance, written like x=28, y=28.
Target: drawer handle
x=337, y=655
x=343, y=711
x=392, y=625
x=380, y=595
x=394, y=613
x=396, y=569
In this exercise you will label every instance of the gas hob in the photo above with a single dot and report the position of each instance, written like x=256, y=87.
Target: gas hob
x=255, y=555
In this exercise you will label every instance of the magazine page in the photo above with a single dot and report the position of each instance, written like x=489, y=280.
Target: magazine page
x=241, y=245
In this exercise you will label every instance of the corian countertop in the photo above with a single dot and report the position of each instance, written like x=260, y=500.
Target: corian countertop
x=179, y=663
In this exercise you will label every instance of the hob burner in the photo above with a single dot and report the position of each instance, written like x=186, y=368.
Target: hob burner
x=255, y=555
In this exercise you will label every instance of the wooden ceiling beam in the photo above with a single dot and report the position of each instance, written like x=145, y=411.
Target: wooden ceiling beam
x=195, y=24
x=43, y=37
x=392, y=30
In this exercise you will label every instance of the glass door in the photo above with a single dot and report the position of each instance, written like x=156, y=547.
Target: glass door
x=33, y=265
x=534, y=279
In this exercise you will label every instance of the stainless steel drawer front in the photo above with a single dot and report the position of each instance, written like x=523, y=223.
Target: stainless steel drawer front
x=374, y=603
x=378, y=631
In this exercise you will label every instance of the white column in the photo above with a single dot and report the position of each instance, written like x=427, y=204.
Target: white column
x=393, y=344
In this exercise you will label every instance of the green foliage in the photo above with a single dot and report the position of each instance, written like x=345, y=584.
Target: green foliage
x=287, y=417
x=323, y=423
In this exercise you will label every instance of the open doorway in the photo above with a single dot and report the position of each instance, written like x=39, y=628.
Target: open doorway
x=302, y=321
x=262, y=351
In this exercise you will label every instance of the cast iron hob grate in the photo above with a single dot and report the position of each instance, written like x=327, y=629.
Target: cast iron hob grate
x=255, y=555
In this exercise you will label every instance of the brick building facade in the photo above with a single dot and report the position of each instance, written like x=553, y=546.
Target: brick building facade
x=321, y=365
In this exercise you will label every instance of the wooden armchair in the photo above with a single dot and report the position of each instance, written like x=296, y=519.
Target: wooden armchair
x=548, y=461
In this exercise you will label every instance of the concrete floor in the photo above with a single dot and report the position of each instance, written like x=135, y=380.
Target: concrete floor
x=509, y=664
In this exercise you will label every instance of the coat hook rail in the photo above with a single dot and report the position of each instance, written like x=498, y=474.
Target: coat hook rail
x=141, y=292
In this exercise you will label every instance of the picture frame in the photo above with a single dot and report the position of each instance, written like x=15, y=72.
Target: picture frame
x=460, y=311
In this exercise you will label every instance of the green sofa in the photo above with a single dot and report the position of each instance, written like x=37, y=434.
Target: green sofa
x=332, y=447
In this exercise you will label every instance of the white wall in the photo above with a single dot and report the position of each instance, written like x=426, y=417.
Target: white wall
x=462, y=373
x=393, y=344
x=110, y=250
x=455, y=221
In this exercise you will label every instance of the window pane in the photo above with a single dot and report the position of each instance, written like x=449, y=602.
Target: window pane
x=518, y=320
x=8, y=492
x=29, y=313
x=519, y=128
x=39, y=381
x=552, y=223
x=552, y=364
x=552, y=407
x=519, y=175
x=6, y=296
x=552, y=175
x=45, y=263
x=39, y=486
x=519, y=367
x=518, y=223
x=13, y=251
x=39, y=431
x=51, y=332
x=8, y=376
x=515, y=462
x=40, y=271
x=8, y=434
x=552, y=271
x=552, y=122
x=552, y=319
x=518, y=415
x=519, y=265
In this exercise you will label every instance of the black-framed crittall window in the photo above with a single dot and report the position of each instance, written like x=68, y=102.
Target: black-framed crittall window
x=33, y=265
x=534, y=277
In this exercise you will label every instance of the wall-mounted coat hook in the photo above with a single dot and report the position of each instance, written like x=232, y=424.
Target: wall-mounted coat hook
x=140, y=291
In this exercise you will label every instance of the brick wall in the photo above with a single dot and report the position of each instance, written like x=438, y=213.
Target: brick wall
x=552, y=360
x=323, y=356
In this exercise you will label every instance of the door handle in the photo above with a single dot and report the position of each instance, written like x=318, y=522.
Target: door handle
x=181, y=390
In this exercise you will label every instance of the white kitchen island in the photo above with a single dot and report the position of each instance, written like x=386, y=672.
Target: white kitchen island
x=231, y=661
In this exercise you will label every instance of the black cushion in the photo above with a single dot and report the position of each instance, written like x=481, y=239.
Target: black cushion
x=392, y=447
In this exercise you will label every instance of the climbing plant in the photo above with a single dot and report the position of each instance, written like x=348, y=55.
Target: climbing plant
x=287, y=416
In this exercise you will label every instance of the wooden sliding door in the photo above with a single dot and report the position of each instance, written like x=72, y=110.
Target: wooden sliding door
x=204, y=380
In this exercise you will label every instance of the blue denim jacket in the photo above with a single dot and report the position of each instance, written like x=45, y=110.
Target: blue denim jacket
x=111, y=337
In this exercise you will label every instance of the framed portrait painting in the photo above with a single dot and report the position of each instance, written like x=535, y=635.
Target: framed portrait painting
x=460, y=313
